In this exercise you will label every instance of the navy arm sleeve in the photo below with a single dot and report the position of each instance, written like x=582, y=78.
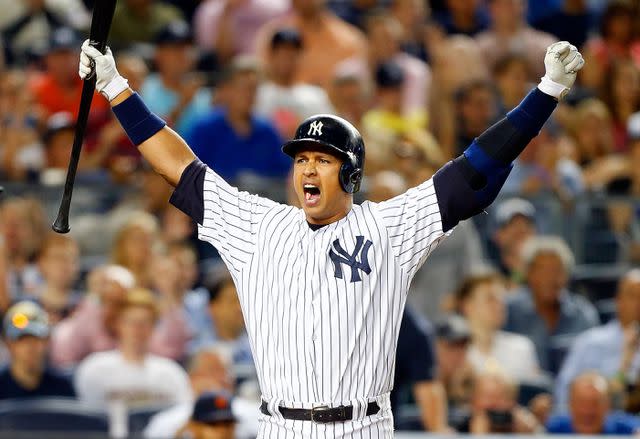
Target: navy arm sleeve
x=470, y=183
x=188, y=195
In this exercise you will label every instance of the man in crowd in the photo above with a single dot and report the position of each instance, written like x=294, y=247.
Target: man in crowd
x=26, y=331
x=131, y=374
x=590, y=410
x=611, y=349
x=212, y=417
x=543, y=309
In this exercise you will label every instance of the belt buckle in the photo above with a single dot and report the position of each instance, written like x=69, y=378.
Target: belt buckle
x=320, y=415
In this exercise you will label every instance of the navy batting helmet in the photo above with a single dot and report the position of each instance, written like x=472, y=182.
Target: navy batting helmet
x=340, y=137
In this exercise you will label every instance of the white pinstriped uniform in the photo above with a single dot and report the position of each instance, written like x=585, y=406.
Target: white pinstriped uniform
x=318, y=338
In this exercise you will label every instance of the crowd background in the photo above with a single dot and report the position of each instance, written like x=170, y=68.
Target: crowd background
x=525, y=319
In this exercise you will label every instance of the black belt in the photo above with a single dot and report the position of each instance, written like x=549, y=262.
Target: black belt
x=321, y=415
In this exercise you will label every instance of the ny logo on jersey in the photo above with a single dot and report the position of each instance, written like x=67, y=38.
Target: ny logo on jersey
x=315, y=129
x=340, y=256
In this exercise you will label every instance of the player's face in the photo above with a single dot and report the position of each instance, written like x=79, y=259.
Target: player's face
x=317, y=186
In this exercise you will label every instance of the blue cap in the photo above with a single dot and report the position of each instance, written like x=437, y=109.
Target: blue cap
x=26, y=318
x=175, y=32
x=63, y=38
x=389, y=74
x=213, y=408
x=286, y=36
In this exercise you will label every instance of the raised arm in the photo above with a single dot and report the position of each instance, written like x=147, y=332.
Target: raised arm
x=470, y=183
x=163, y=148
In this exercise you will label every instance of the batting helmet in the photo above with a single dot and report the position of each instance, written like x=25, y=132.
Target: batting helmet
x=340, y=137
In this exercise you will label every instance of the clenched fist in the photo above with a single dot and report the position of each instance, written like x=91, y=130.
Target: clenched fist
x=108, y=81
x=562, y=61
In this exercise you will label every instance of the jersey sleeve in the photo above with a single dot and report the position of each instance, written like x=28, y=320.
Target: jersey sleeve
x=227, y=218
x=414, y=225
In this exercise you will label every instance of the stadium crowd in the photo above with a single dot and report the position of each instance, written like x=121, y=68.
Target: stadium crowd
x=524, y=320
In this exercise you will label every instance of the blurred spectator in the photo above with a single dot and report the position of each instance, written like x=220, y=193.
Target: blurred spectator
x=569, y=20
x=21, y=148
x=219, y=319
x=320, y=29
x=137, y=21
x=23, y=227
x=590, y=410
x=59, y=87
x=412, y=16
x=510, y=33
x=513, y=80
x=612, y=349
x=543, y=309
x=133, y=246
x=494, y=407
x=26, y=25
x=384, y=185
x=230, y=27
x=515, y=224
x=467, y=17
x=212, y=417
x=415, y=375
x=281, y=99
x=477, y=109
x=175, y=92
x=131, y=374
x=480, y=299
x=177, y=228
x=350, y=95
x=244, y=143
x=452, y=342
x=59, y=266
x=26, y=331
x=384, y=34
x=621, y=93
x=615, y=41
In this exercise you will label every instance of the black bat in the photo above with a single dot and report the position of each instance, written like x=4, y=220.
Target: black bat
x=100, y=24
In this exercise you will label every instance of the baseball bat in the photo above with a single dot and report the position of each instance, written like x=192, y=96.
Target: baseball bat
x=100, y=25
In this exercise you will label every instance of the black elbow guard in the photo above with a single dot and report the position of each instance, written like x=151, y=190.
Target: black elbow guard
x=464, y=192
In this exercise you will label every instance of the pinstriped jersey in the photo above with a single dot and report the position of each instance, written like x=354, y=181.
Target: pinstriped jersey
x=322, y=307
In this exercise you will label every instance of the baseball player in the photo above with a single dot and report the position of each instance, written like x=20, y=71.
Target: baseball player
x=322, y=288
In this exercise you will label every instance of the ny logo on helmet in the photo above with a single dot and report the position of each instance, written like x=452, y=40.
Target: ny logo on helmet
x=315, y=129
x=340, y=256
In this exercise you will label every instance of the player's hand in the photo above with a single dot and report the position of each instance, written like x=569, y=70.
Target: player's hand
x=562, y=62
x=108, y=81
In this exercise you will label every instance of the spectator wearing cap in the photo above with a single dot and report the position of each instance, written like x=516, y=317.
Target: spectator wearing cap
x=515, y=220
x=611, y=349
x=453, y=338
x=130, y=374
x=416, y=377
x=386, y=122
x=467, y=17
x=212, y=417
x=26, y=332
x=137, y=21
x=480, y=299
x=174, y=92
x=230, y=28
x=590, y=410
x=350, y=96
x=26, y=26
x=244, y=143
x=510, y=33
x=281, y=99
x=543, y=309
x=320, y=29
x=59, y=87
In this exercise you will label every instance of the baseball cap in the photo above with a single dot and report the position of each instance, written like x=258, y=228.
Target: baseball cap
x=175, y=32
x=58, y=122
x=286, y=36
x=389, y=74
x=452, y=328
x=213, y=408
x=633, y=126
x=26, y=318
x=509, y=209
x=63, y=38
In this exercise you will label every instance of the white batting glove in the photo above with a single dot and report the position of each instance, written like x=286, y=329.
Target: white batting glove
x=108, y=81
x=561, y=62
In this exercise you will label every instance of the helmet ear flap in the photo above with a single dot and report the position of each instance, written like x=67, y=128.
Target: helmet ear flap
x=350, y=178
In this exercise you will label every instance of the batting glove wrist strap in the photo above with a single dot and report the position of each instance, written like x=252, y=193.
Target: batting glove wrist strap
x=552, y=88
x=116, y=86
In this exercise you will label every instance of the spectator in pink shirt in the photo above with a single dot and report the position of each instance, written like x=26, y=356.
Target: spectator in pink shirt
x=229, y=27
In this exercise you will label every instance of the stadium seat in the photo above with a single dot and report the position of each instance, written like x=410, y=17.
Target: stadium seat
x=51, y=415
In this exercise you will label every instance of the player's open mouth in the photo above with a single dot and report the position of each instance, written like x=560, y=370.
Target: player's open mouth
x=311, y=194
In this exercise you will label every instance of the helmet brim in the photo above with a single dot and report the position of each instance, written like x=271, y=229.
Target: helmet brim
x=291, y=147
